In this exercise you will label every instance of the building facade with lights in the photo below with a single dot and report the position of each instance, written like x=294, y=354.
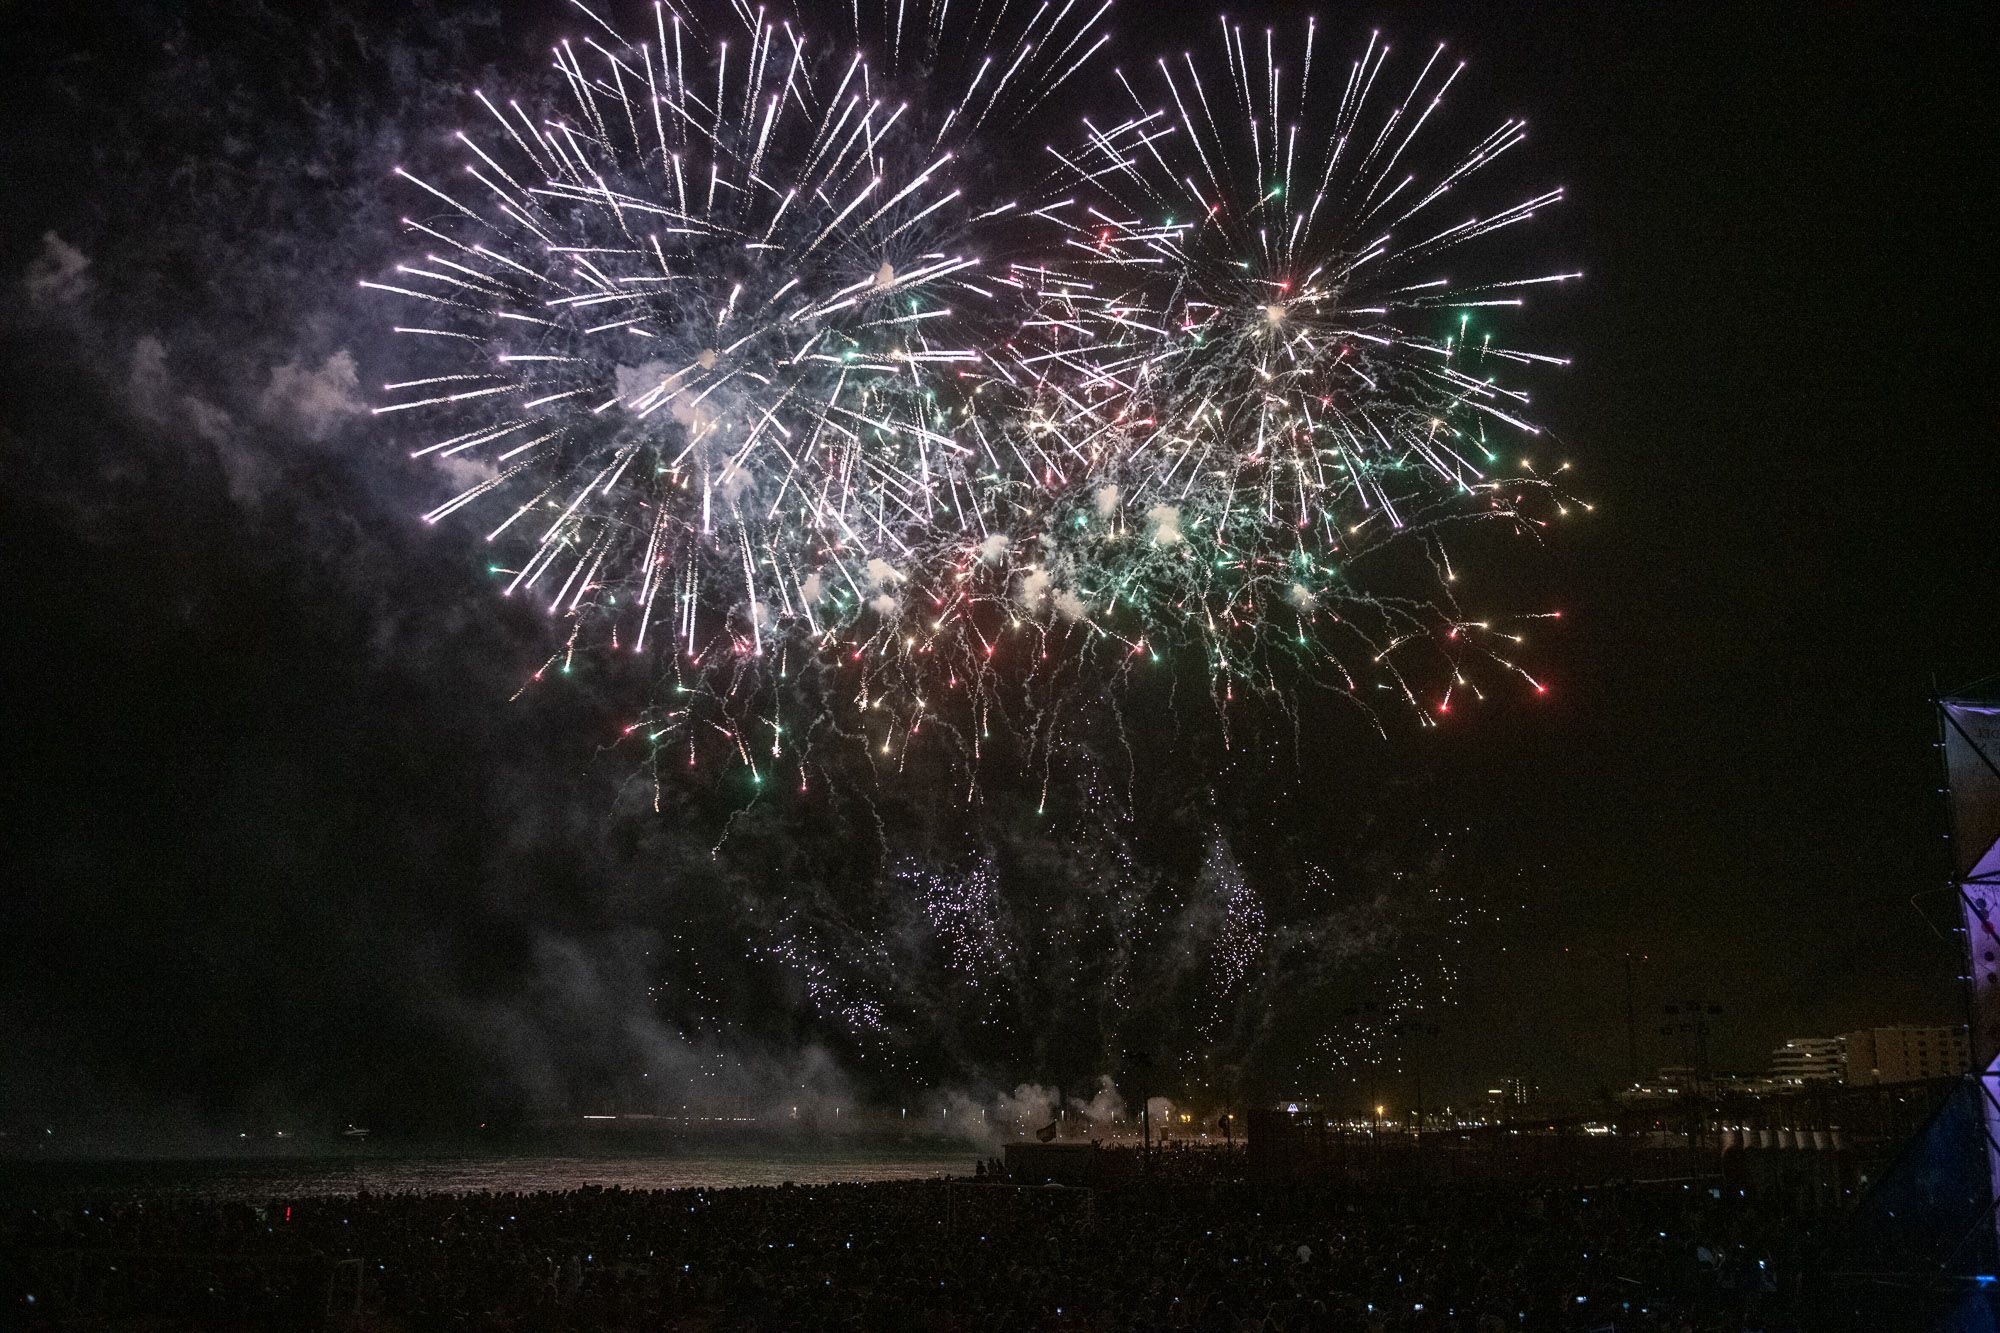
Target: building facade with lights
x=1905, y=1054
x=1804, y=1060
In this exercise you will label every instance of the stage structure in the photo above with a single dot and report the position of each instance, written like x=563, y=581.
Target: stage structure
x=1971, y=728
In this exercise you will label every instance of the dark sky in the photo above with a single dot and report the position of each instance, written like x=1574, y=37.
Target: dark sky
x=274, y=833
x=1776, y=398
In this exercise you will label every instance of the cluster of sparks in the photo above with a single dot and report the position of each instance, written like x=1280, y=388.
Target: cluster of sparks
x=750, y=377
x=1240, y=941
x=966, y=916
x=960, y=968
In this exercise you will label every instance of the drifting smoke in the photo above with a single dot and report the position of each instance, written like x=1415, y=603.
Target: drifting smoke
x=1163, y=525
x=994, y=1118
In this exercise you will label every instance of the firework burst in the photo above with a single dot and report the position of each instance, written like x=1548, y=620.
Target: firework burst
x=704, y=333
x=1272, y=362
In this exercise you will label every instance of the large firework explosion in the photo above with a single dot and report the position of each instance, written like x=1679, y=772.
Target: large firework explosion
x=1274, y=373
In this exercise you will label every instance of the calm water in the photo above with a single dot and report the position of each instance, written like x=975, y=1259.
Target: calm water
x=262, y=1179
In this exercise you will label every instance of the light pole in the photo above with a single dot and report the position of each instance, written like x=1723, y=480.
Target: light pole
x=1413, y=1031
x=1631, y=1025
x=1693, y=1021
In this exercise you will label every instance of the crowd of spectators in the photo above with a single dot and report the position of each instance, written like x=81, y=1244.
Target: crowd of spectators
x=972, y=1254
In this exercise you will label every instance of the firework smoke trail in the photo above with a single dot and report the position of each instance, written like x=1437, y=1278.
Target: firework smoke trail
x=701, y=337
x=1267, y=368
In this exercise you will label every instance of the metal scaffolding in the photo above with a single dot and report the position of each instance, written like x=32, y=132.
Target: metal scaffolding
x=1971, y=743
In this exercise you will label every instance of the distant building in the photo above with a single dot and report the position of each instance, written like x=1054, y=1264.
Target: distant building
x=1804, y=1060
x=1674, y=1078
x=1904, y=1054
x=1514, y=1093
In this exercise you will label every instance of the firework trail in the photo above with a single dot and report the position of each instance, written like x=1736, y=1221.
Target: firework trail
x=702, y=336
x=999, y=60
x=1270, y=366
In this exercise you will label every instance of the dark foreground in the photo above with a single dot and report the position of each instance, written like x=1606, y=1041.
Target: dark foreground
x=919, y=1255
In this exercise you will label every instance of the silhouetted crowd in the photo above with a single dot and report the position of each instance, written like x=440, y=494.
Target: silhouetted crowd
x=915, y=1255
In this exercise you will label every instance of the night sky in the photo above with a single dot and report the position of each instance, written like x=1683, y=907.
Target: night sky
x=278, y=844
